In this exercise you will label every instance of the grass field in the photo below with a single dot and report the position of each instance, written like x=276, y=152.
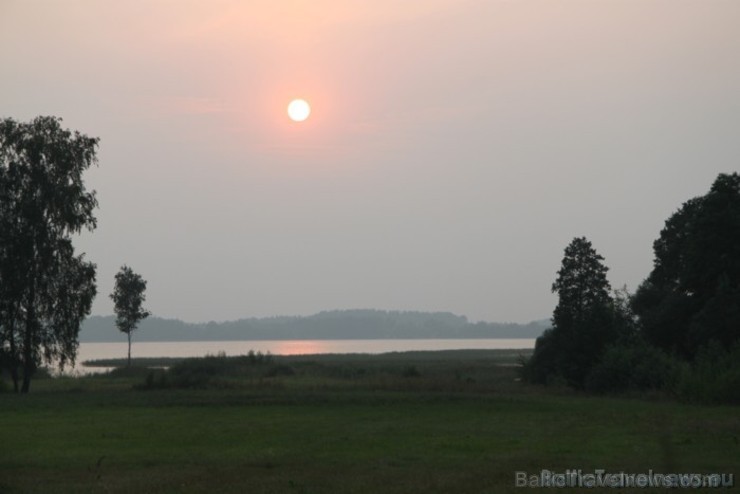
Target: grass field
x=437, y=422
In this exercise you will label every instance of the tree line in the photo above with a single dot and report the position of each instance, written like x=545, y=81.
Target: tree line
x=331, y=325
x=46, y=289
x=679, y=332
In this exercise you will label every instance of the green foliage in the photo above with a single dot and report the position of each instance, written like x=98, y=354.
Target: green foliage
x=411, y=371
x=690, y=301
x=45, y=289
x=280, y=370
x=688, y=307
x=581, y=285
x=440, y=372
x=321, y=434
x=214, y=371
x=128, y=299
x=714, y=376
x=692, y=295
x=634, y=366
x=155, y=379
x=585, y=321
x=129, y=372
x=547, y=360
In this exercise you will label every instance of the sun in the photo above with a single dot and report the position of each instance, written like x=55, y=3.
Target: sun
x=299, y=110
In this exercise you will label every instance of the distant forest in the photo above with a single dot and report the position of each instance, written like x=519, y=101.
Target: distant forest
x=334, y=325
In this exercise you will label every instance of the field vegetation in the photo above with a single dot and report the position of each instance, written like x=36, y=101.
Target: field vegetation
x=439, y=422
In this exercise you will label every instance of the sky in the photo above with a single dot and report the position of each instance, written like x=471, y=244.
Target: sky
x=453, y=150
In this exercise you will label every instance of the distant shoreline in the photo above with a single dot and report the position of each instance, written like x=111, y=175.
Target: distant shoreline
x=331, y=325
x=342, y=349
x=122, y=339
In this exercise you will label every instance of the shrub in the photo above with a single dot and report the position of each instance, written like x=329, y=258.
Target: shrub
x=43, y=373
x=211, y=370
x=155, y=379
x=634, y=366
x=132, y=371
x=279, y=370
x=714, y=376
x=545, y=362
x=199, y=372
x=410, y=371
x=259, y=358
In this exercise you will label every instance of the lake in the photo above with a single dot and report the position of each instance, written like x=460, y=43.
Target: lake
x=95, y=351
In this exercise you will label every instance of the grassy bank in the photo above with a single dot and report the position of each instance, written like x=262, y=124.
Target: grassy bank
x=397, y=423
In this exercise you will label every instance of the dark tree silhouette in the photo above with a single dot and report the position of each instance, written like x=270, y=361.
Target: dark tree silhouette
x=581, y=284
x=692, y=295
x=45, y=289
x=128, y=297
x=584, y=321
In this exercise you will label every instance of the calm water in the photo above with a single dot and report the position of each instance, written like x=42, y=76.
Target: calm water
x=94, y=351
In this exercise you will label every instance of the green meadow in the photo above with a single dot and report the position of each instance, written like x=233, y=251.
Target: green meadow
x=417, y=422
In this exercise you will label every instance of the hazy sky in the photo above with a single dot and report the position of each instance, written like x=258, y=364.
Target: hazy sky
x=455, y=147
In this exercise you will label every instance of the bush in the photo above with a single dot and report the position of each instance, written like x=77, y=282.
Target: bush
x=634, y=366
x=41, y=373
x=714, y=376
x=133, y=371
x=155, y=379
x=199, y=372
x=210, y=371
x=410, y=371
x=546, y=361
x=280, y=370
x=259, y=358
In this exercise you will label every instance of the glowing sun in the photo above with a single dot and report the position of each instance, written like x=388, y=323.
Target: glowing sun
x=299, y=110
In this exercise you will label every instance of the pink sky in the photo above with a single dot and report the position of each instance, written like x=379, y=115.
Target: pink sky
x=454, y=149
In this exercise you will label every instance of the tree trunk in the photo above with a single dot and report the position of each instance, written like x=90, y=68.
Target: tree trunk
x=14, y=375
x=28, y=364
x=28, y=361
x=129, y=349
x=13, y=355
x=27, y=372
x=30, y=327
